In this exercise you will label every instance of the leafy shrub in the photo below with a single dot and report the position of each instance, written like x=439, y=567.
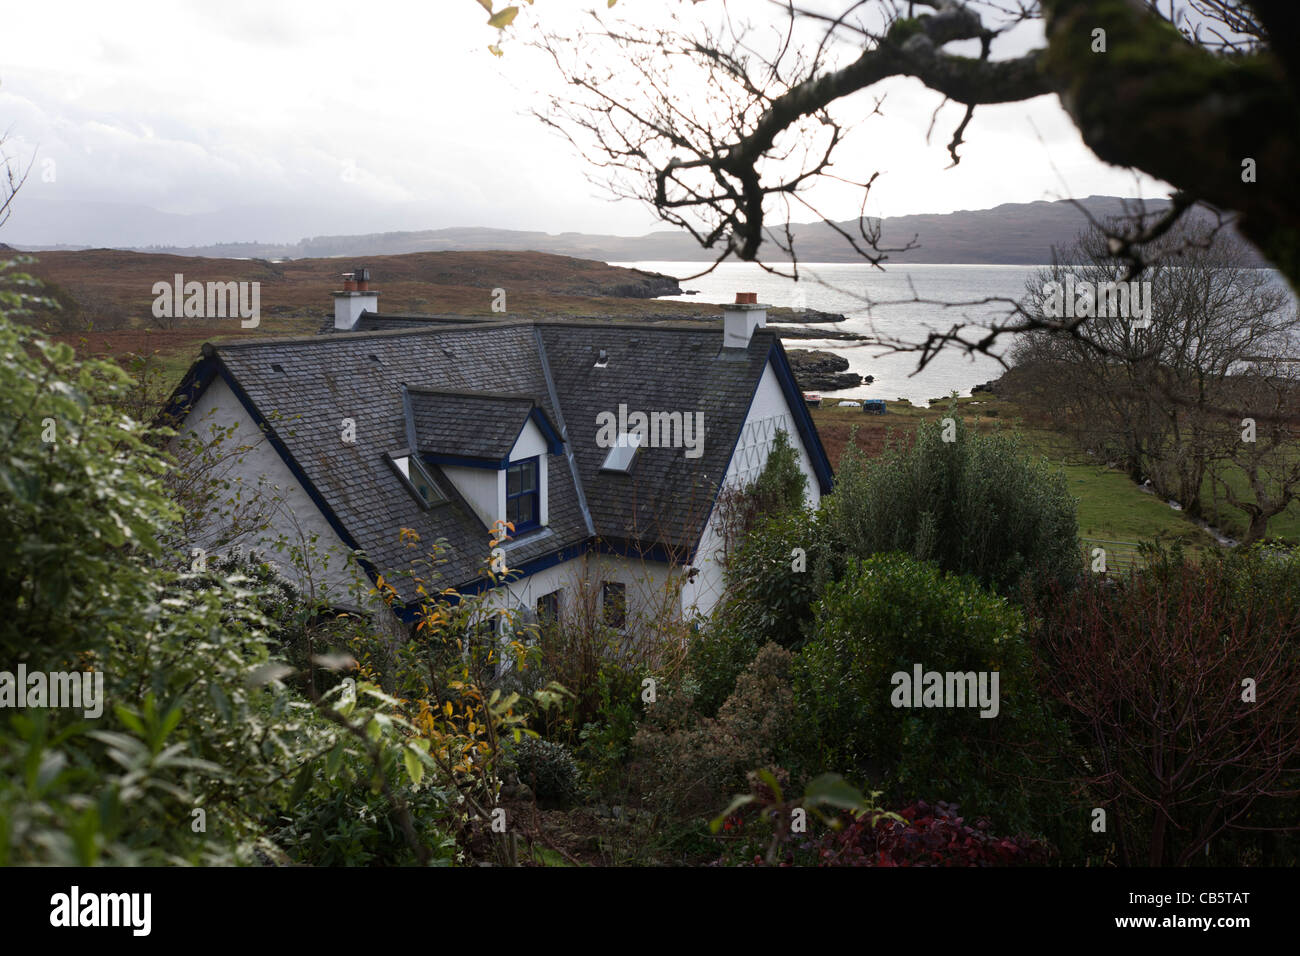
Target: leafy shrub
x=781, y=485
x=354, y=826
x=888, y=614
x=717, y=656
x=598, y=664
x=976, y=505
x=200, y=745
x=770, y=580
x=928, y=835
x=606, y=742
x=547, y=768
x=687, y=763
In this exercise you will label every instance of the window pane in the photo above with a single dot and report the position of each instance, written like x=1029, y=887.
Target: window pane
x=528, y=472
x=548, y=608
x=527, y=509
x=512, y=481
x=615, y=603
x=623, y=453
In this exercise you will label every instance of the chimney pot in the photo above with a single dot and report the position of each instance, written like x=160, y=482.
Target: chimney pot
x=356, y=299
x=746, y=298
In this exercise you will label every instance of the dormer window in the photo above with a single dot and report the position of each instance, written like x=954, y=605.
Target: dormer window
x=523, y=505
x=417, y=480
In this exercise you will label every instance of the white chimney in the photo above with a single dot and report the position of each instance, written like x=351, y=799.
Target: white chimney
x=356, y=297
x=740, y=320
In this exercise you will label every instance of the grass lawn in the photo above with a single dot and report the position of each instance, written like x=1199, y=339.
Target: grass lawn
x=1111, y=507
x=1223, y=515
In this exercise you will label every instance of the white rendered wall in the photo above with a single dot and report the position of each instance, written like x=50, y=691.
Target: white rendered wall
x=652, y=596
x=290, y=511
x=483, y=489
x=769, y=411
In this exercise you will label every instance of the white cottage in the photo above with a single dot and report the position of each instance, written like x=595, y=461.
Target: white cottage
x=605, y=445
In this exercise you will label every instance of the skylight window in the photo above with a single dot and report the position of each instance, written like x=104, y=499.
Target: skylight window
x=418, y=480
x=623, y=453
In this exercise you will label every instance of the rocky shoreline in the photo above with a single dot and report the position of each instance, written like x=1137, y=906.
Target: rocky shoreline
x=817, y=370
x=648, y=285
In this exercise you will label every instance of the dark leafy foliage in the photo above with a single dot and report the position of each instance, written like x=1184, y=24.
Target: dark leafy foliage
x=931, y=835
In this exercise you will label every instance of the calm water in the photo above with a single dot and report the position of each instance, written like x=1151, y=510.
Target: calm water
x=879, y=304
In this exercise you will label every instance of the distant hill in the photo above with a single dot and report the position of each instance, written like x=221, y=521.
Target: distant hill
x=1012, y=234
x=114, y=287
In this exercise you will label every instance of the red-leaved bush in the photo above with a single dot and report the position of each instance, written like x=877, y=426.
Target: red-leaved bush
x=933, y=835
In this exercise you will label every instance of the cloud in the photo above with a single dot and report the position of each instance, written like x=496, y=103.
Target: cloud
x=392, y=115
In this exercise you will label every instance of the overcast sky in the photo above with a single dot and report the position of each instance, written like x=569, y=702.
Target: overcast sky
x=278, y=119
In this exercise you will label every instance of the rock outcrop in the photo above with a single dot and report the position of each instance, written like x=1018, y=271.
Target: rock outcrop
x=816, y=370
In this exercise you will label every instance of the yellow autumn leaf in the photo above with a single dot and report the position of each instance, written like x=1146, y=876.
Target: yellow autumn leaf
x=502, y=18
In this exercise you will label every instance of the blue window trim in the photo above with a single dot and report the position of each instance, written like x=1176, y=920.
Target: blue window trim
x=535, y=494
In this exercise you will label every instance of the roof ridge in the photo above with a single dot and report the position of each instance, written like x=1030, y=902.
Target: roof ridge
x=319, y=338
x=471, y=326
x=471, y=393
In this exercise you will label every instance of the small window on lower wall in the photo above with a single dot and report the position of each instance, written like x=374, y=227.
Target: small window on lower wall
x=486, y=631
x=614, y=601
x=548, y=609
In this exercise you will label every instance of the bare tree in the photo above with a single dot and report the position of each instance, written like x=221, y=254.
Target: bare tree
x=1218, y=79
x=1182, y=690
x=12, y=176
x=1256, y=466
x=1157, y=393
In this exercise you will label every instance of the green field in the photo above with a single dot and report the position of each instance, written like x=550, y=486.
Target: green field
x=1112, y=508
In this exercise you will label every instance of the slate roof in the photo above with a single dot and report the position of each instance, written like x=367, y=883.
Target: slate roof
x=468, y=386
x=388, y=321
x=466, y=424
x=666, y=498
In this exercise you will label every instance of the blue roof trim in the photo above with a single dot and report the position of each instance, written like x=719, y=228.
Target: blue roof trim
x=409, y=414
x=411, y=610
x=656, y=553
x=628, y=549
x=812, y=442
x=554, y=443
x=491, y=464
x=187, y=393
